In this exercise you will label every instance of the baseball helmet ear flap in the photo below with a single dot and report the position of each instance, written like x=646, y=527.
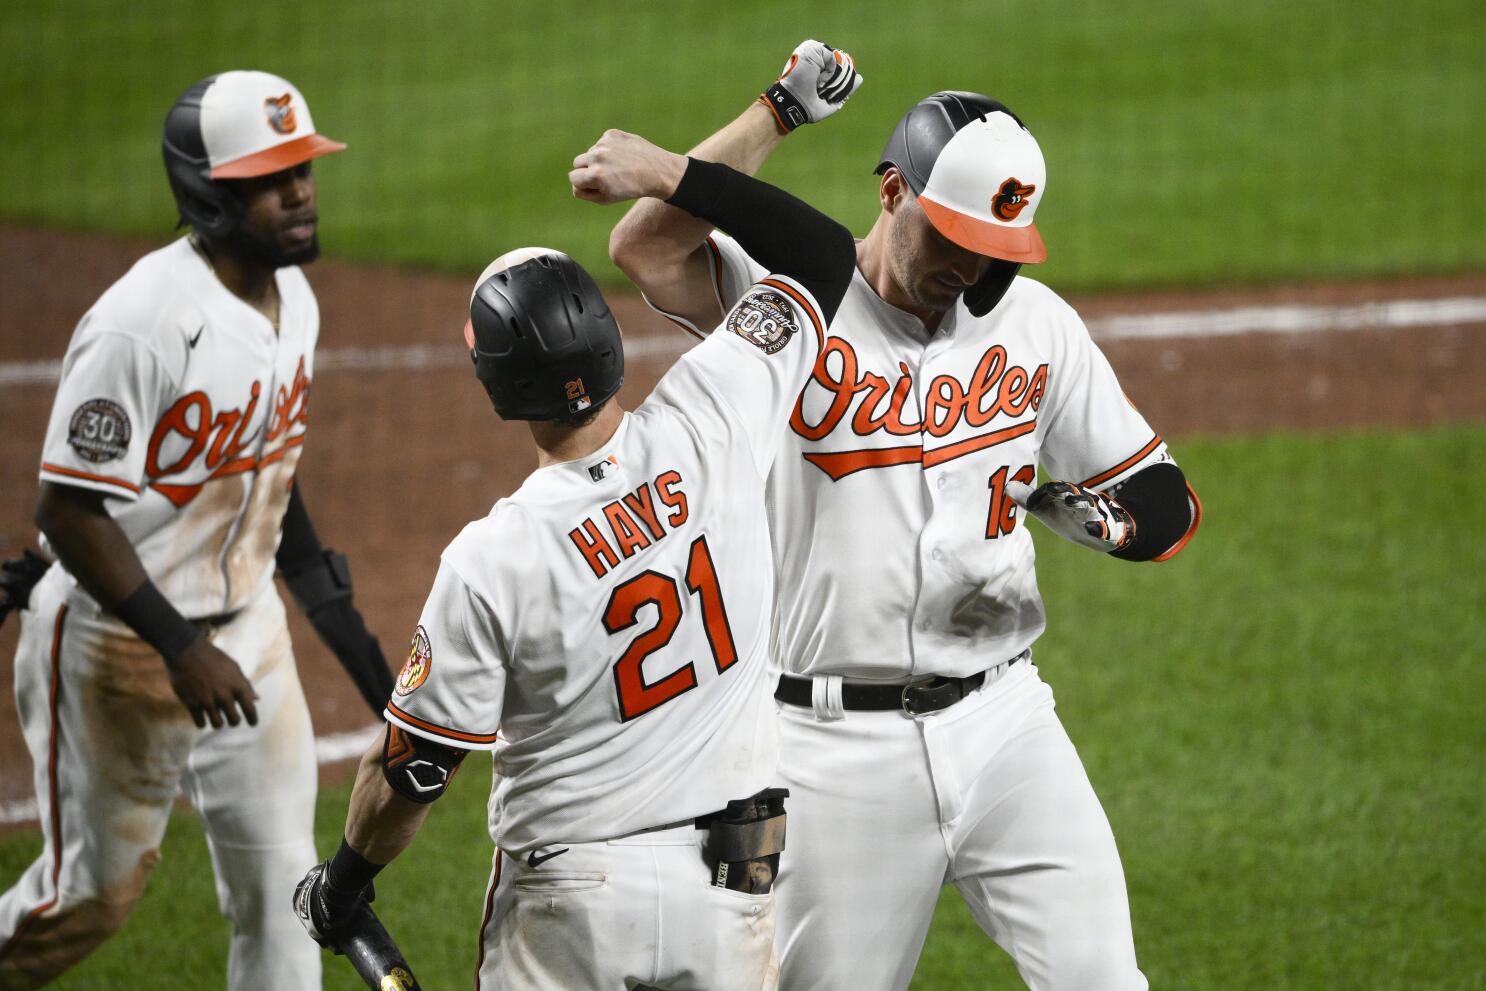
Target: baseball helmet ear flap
x=982, y=297
x=543, y=340
x=211, y=208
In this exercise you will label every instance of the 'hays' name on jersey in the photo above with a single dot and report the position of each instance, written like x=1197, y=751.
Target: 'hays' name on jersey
x=631, y=523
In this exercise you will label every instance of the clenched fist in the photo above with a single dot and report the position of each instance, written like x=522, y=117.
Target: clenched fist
x=816, y=82
x=622, y=166
x=1088, y=518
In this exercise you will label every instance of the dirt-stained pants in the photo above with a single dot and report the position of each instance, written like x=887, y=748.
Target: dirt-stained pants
x=112, y=746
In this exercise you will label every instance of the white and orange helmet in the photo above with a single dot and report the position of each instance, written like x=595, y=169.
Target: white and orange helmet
x=979, y=177
x=234, y=125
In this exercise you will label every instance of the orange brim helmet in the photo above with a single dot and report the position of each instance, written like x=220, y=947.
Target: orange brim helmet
x=235, y=125
x=976, y=170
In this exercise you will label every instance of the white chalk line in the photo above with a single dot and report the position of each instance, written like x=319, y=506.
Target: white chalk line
x=1289, y=318
x=1295, y=318
x=332, y=748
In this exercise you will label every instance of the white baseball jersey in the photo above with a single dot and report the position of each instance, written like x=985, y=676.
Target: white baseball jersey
x=182, y=404
x=898, y=552
x=610, y=619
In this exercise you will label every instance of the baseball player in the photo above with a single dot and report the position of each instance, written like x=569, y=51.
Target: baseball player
x=167, y=480
x=919, y=743
x=604, y=630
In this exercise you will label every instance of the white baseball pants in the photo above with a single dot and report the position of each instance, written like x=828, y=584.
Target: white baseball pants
x=111, y=745
x=621, y=914
x=988, y=795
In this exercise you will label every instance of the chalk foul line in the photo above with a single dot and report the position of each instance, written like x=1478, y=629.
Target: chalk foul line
x=1291, y=318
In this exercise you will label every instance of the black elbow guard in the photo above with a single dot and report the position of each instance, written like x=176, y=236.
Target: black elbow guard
x=418, y=769
x=1165, y=511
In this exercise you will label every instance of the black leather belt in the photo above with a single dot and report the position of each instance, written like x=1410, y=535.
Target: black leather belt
x=915, y=698
x=211, y=624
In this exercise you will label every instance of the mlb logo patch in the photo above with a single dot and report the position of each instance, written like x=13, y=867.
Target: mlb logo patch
x=600, y=470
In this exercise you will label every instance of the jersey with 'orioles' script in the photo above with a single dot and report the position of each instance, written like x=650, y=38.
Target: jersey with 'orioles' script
x=897, y=551
x=609, y=621
x=186, y=408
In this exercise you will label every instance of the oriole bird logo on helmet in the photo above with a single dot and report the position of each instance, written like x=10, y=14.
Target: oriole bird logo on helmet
x=1011, y=198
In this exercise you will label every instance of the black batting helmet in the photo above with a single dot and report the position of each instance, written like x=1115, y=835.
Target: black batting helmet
x=544, y=343
x=979, y=176
x=234, y=125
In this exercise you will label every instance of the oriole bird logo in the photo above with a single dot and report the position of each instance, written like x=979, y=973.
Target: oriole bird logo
x=1010, y=199
x=280, y=114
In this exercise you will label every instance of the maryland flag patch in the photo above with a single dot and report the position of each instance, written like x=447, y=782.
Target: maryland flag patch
x=420, y=661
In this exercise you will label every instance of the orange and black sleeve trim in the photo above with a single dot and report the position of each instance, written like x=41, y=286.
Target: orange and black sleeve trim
x=458, y=738
x=805, y=304
x=1093, y=482
x=50, y=469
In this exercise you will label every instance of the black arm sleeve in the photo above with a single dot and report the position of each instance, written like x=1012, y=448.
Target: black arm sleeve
x=782, y=233
x=299, y=543
x=1156, y=498
x=320, y=581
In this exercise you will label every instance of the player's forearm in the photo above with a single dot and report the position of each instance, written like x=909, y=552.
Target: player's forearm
x=89, y=543
x=380, y=823
x=653, y=237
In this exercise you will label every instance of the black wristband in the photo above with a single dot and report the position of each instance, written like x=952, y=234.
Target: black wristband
x=157, y=622
x=789, y=113
x=349, y=871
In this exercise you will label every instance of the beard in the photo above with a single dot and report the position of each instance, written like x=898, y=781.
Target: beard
x=907, y=272
x=255, y=247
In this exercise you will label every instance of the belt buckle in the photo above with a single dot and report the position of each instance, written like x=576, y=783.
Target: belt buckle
x=906, y=701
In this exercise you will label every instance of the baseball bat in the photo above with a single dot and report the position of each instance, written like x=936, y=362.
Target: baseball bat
x=371, y=950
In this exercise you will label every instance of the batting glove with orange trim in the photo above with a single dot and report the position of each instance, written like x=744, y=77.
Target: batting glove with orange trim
x=1088, y=518
x=816, y=82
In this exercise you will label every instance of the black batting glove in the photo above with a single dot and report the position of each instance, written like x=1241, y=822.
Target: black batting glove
x=325, y=909
x=17, y=577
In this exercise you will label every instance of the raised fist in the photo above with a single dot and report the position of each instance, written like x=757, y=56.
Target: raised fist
x=816, y=82
x=622, y=166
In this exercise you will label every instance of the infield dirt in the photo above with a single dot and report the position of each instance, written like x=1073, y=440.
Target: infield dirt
x=399, y=459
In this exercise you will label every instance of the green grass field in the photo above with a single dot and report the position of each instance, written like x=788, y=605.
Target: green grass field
x=1188, y=143
x=1284, y=723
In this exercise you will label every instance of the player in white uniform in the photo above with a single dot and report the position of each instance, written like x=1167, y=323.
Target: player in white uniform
x=919, y=744
x=166, y=476
x=605, y=629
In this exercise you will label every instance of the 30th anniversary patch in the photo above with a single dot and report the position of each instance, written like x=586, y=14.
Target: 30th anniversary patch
x=99, y=430
x=765, y=318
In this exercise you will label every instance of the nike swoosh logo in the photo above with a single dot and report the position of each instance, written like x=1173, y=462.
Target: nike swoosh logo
x=532, y=860
x=193, y=340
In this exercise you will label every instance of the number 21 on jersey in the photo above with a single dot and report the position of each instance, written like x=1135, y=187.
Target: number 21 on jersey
x=653, y=588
